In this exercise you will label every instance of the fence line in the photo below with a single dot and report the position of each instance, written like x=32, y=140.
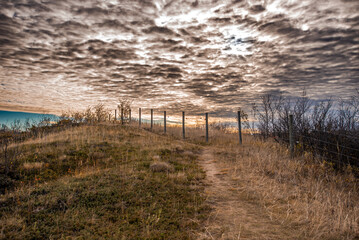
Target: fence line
x=183, y=126
x=342, y=154
x=139, y=119
x=289, y=137
x=164, y=122
x=333, y=144
x=207, y=136
x=183, y=122
x=339, y=134
x=239, y=127
x=325, y=151
x=151, y=119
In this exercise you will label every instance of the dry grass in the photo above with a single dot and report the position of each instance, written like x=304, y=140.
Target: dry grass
x=305, y=194
x=310, y=197
x=300, y=195
x=161, y=167
x=96, y=182
x=32, y=165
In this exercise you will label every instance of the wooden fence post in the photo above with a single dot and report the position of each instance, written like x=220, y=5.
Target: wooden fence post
x=239, y=127
x=164, y=122
x=206, y=127
x=129, y=113
x=183, y=126
x=139, y=117
x=291, y=136
x=122, y=122
x=115, y=114
x=151, y=119
x=109, y=117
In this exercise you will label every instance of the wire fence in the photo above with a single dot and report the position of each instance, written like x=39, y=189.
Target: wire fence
x=334, y=147
x=200, y=128
x=341, y=149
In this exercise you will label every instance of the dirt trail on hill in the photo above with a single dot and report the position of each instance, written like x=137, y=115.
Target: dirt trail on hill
x=235, y=215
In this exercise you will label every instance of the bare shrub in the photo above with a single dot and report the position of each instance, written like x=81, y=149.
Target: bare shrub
x=124, y=108
x=89, y=115
x=100, y=112
x=326, y=128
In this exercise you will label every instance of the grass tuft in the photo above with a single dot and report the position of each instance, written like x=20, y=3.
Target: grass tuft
x=161, y=167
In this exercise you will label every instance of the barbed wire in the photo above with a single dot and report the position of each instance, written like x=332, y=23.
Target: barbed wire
x=319, y=140
x=314, y=147
x=338, y=134
x=342, y=154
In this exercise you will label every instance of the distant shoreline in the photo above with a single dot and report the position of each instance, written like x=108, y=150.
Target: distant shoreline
x=9, y=117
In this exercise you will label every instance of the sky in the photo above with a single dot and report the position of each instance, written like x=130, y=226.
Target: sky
x=187, y=55
x=14, y=119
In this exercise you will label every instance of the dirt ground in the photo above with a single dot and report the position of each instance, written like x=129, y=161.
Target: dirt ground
x=235, y=214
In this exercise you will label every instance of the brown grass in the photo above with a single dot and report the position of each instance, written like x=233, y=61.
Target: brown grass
x=310, y=197
x=305, y=194
x=161, y=167
x=96, y=182
x=32, y=165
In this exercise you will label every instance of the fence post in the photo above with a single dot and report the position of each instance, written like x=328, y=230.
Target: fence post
x=239, y=127
x=206, y=127
x=164, y=122
x=151, y=119
x=291, y=136
x=122, y=116
x=115, y=114
x=183, y=126
x=129, y=113
x=139, y=117
x=109, y=117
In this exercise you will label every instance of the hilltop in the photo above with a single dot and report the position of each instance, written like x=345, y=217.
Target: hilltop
x=107, y=181
x=101, y=182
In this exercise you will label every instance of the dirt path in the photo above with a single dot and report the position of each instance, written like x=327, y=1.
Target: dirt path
x=235, y=215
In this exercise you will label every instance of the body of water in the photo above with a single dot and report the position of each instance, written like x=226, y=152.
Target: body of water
x=8, y=118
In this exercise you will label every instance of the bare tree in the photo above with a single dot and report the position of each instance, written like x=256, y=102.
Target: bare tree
x=321, y=114
x=266, y=112
x=124, y=108
x=100, y=112
x=300, y=110
x=89, y=116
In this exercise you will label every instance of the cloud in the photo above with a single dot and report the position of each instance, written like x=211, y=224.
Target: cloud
x=197, y=55
x=8, y=27
x=257, y=8
x=160, y=30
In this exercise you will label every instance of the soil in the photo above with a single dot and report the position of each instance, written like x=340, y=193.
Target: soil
x=235, y=215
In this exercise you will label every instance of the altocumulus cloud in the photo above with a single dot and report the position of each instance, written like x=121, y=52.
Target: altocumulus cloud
x=180, y=54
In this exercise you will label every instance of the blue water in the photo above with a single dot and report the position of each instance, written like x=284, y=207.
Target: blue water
x=8, y=118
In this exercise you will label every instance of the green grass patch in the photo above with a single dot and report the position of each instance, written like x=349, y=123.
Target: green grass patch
x=109, y=192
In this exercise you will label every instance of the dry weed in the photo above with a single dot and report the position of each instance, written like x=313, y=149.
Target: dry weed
x=312, y=197
x=32, y=165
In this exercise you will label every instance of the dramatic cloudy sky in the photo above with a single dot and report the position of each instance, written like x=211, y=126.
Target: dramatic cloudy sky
x=182, y=54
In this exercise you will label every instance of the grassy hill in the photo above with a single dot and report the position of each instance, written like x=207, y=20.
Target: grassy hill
x=107, y=181
x=103, y=181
